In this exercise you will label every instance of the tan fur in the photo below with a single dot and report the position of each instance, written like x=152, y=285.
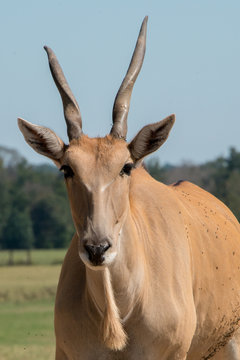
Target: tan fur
x=172, y=272
x=114, y=336
x=153, y=271
x=231, y=351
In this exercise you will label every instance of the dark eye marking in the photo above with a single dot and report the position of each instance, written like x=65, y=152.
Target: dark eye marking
x=126, y=170
x=67, y=171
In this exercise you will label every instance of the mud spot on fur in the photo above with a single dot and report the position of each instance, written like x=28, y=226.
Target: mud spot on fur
x=178, y=182
x=224, y=339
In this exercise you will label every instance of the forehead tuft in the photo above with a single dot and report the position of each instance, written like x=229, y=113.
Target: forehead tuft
x=101, y=144
x=99, y=149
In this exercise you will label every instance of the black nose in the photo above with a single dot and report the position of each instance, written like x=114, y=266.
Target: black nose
x=95, y=252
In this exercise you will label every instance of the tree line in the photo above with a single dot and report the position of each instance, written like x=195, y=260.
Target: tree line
x=34, y=206
x=221, y=177
x=35, y=211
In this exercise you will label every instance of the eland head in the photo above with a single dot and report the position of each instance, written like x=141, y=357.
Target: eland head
x=98, y=171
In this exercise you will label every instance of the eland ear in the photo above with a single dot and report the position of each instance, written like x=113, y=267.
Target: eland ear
x=150, y=138
x=42, y=140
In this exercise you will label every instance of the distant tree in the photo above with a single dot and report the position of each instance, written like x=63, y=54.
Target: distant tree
x=233, y=193
x=4, y=199
x=10, y=157
x=220, y=174
x=35, y=198
x=221, y=177
x=17, y=234
x=51, y=230
x=156, y=171
x=233, y=161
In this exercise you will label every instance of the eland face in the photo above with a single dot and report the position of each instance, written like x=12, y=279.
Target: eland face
x=98, y=171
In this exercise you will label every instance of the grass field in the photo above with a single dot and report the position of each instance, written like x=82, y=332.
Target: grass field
x=39, y=257
x=26, y=306
x=26, y=331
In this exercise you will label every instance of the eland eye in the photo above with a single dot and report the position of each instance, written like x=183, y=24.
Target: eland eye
x=67, y=171
x=126, y=170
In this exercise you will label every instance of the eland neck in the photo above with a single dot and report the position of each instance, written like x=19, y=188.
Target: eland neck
x=127, y=275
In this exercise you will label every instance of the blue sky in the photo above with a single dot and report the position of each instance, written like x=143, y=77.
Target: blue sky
x=191, y=68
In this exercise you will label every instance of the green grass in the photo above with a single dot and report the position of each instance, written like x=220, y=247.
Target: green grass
x=26, y=309
x=24, y=283
x=26, y=331
x=23, y=322
x=39, y=257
